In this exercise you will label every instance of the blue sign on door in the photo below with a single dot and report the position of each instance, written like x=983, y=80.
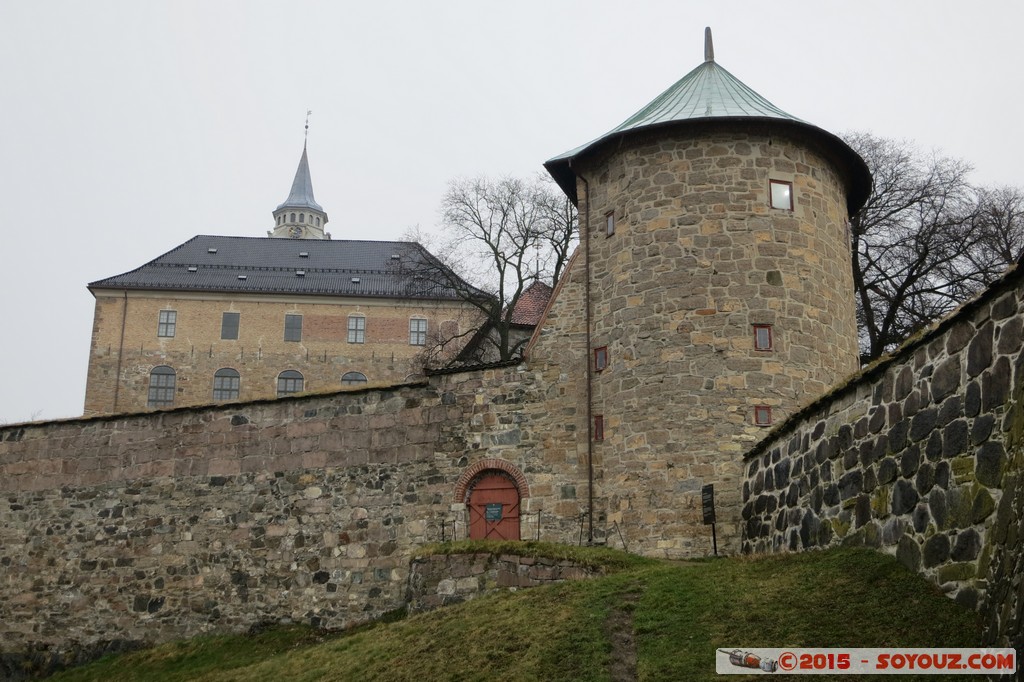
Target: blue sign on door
x=492, y=511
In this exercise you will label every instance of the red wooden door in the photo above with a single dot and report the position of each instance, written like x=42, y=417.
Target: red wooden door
x=494, y=508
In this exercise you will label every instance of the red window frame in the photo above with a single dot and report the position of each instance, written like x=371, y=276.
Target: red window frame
x=762, y=415
x=771, y=340
x=598, y=427
x=600, y=358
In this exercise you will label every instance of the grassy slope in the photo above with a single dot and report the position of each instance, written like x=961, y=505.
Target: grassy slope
x=681, y=613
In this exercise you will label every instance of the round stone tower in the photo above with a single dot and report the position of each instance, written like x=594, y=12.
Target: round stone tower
x=716, y=247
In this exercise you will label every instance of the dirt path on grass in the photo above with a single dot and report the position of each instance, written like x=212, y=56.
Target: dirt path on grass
x=618, y=627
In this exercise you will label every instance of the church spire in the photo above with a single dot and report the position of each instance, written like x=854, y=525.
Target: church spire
x=299, y=216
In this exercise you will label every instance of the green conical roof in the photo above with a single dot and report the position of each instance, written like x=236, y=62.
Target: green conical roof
x=709, y=94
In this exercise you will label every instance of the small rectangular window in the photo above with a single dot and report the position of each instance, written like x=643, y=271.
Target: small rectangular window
x=781, y=194
x=417, y=332
x=609, y=223
x=600, y=358
x=762, y=337
x=167, y=322
x=293, y=327
x=598, y=427
x=762, y=415
x=229, y=325
x=356, y=329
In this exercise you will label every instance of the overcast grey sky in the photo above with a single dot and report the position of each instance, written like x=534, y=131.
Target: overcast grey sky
x=128, y=127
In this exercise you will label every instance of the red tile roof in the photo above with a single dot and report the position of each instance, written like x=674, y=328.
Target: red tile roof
x=530, y=306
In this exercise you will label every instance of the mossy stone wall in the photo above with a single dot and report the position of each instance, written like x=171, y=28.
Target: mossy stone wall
x=919, y=456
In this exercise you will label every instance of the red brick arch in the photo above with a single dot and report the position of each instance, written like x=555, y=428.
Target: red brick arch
x=483, y=465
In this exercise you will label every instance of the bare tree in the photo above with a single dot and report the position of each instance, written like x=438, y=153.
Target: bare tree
x=999, y=220
x=925, y=241
x=498, y=236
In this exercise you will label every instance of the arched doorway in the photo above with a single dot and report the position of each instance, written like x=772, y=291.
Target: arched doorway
x=493, y=504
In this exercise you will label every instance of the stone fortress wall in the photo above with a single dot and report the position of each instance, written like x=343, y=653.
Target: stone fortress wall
x=921, y=456
x=161, y=525
x=152, y=526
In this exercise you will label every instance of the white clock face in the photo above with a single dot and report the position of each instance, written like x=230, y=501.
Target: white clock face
x=295, y=232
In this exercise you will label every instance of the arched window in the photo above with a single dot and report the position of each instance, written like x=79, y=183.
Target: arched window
x=353, y=378
x=302, y=217
x=293, y=217
x=226, y=384
x=161, y=387
x=288, y=382
x=318, y=221
x=278, y=220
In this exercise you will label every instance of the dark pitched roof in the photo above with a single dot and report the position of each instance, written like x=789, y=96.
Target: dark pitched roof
x=272, y=266
x=530, y=306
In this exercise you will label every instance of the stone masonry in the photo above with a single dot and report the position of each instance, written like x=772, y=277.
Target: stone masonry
x=921, y=456
x=148, y=527
x=445, y=579
x=697, y=258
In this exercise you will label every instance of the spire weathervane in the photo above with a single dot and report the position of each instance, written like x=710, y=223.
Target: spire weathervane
x=308, y=112
x=709, y=47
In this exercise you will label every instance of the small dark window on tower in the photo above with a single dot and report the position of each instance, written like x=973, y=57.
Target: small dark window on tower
x=762, y=415
x=762, y=337
x=600, y=358
x=293, y=327
x=302, y=217
x=278, y=220
x=293, y=217
x=166, y=323
x=598, y=427
x=609, y=223
x=781, y=194
x=229, y=325
x=318, y=221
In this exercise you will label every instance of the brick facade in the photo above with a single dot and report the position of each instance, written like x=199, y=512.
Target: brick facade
x=120, y=362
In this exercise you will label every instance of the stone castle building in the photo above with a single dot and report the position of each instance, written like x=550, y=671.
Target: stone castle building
x=711, y=295
x=239, y=318
x=710, y=300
